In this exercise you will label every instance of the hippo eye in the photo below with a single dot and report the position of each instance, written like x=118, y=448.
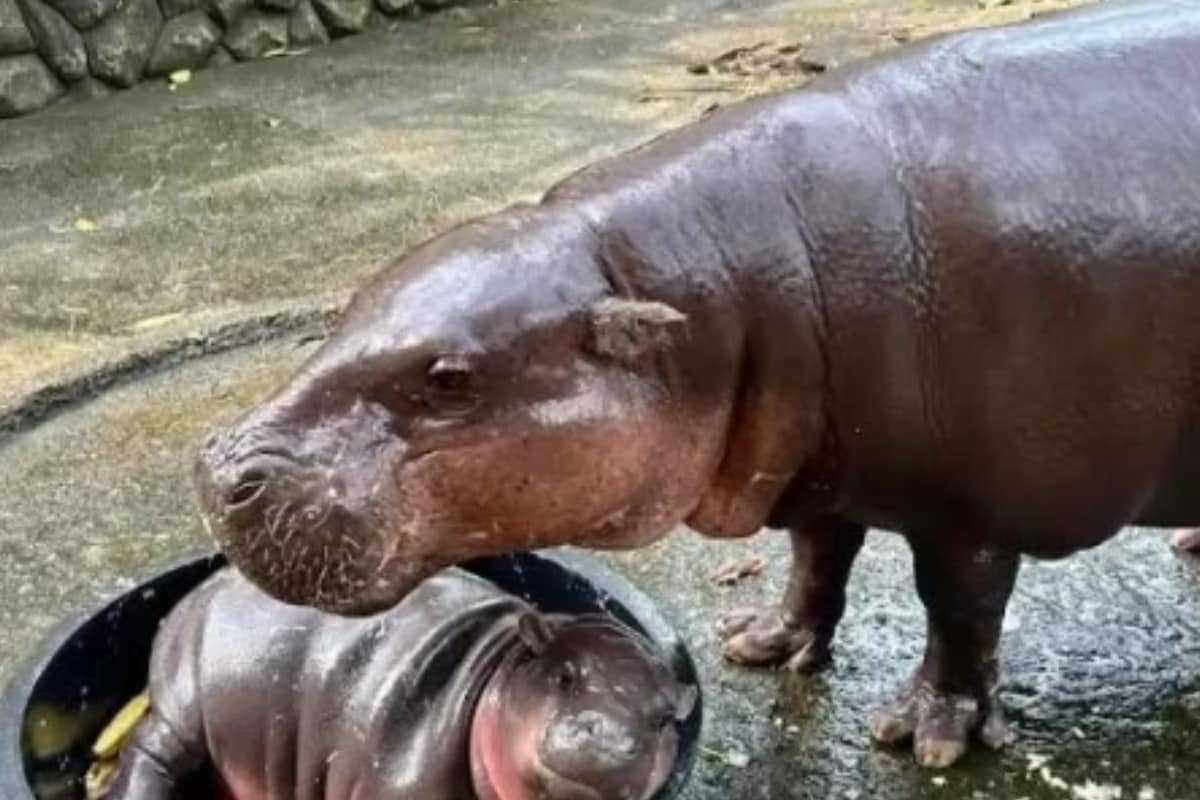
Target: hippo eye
x=449, y=382
x=567, y=675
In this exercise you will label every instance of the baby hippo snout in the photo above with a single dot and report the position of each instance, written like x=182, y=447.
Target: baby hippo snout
x=590, y=740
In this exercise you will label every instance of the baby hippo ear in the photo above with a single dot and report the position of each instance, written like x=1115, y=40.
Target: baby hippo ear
x=685, y=704
x=535, y=631
x=624, y=329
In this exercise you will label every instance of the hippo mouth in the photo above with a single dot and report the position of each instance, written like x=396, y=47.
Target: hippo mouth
x=561, y=787
x=313, y=554
x=304, y=532
x=330, y=569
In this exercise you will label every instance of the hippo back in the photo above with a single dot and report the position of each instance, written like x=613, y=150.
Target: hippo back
x=1026, y=276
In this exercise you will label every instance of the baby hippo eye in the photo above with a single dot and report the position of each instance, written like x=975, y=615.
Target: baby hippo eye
x=567, y=675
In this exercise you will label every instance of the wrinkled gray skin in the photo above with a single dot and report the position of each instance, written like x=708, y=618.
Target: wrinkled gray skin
x=460, y=691
x=949, y=292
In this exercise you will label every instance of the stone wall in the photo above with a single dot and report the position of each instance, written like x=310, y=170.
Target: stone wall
x=51, y=48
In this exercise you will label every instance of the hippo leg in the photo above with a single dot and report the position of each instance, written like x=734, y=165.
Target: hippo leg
x=953, y=693
x=799, y=631
x=1187, y=540
x=153, y=763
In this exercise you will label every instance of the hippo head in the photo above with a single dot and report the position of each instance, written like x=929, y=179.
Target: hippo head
x=586, y=711
x=491, y=392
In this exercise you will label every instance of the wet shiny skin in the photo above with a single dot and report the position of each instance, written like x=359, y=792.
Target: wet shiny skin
x=455, y=693
x=891, y=316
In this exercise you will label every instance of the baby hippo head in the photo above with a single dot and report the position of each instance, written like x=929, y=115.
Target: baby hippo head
x=586, y=711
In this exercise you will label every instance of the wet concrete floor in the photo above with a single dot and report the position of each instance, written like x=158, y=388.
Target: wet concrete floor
x=1102, y=651
x=278, y=186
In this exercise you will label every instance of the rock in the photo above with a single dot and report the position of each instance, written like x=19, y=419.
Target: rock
x=186, y=42
x=26, y=84
x=343, y=16
x=56, y=41
x=396, y=6
x=120, y=47
x=15, y=37
x=221, y=58
x=173, y=8
x=442, y=5
x=378, y=21
x=305, y=28
x=228, y=11
x=84, y=14
x=257, y=33
x=277, y=5
x=89, y=89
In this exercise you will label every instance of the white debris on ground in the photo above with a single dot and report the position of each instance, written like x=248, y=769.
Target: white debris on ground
x=733, y=758
x=739, y=569
x=1096, y=791
x=1036, y=761
x=1088, y=790
x=1052, y=780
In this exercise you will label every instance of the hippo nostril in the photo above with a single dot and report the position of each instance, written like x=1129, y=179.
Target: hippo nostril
x=248, y=489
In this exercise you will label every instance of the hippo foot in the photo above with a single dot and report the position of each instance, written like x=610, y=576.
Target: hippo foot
x=763, y=637
x=939, y=724
x=1187, y=541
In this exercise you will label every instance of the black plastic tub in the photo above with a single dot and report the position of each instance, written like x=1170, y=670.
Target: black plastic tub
x=92, y=665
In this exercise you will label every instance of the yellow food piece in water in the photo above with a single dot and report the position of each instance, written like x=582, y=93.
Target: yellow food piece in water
x=50, y=730
x=99, y=779
x=114, y=735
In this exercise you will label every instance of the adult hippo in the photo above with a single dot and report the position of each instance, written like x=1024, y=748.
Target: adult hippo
x=949, y=292
x=459, y=692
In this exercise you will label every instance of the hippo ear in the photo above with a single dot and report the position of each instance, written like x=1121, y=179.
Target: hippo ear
x=535, y=631
x=624, y=330
x=685, y=704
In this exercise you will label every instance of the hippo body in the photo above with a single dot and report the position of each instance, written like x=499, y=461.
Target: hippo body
x=289, y=703
x=948, y=292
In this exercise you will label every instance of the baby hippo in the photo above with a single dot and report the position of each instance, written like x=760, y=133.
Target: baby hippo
x=461, y=691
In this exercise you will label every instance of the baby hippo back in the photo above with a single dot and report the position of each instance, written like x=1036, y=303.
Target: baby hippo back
x=297, y=704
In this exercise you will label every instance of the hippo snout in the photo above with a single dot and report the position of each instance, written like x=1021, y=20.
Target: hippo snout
x=240, y=478
x=298, y=529
x=243, y=486
x=591, y=755
x=590, y=733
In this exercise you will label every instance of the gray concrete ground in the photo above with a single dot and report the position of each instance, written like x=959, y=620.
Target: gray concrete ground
x=276, y=187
